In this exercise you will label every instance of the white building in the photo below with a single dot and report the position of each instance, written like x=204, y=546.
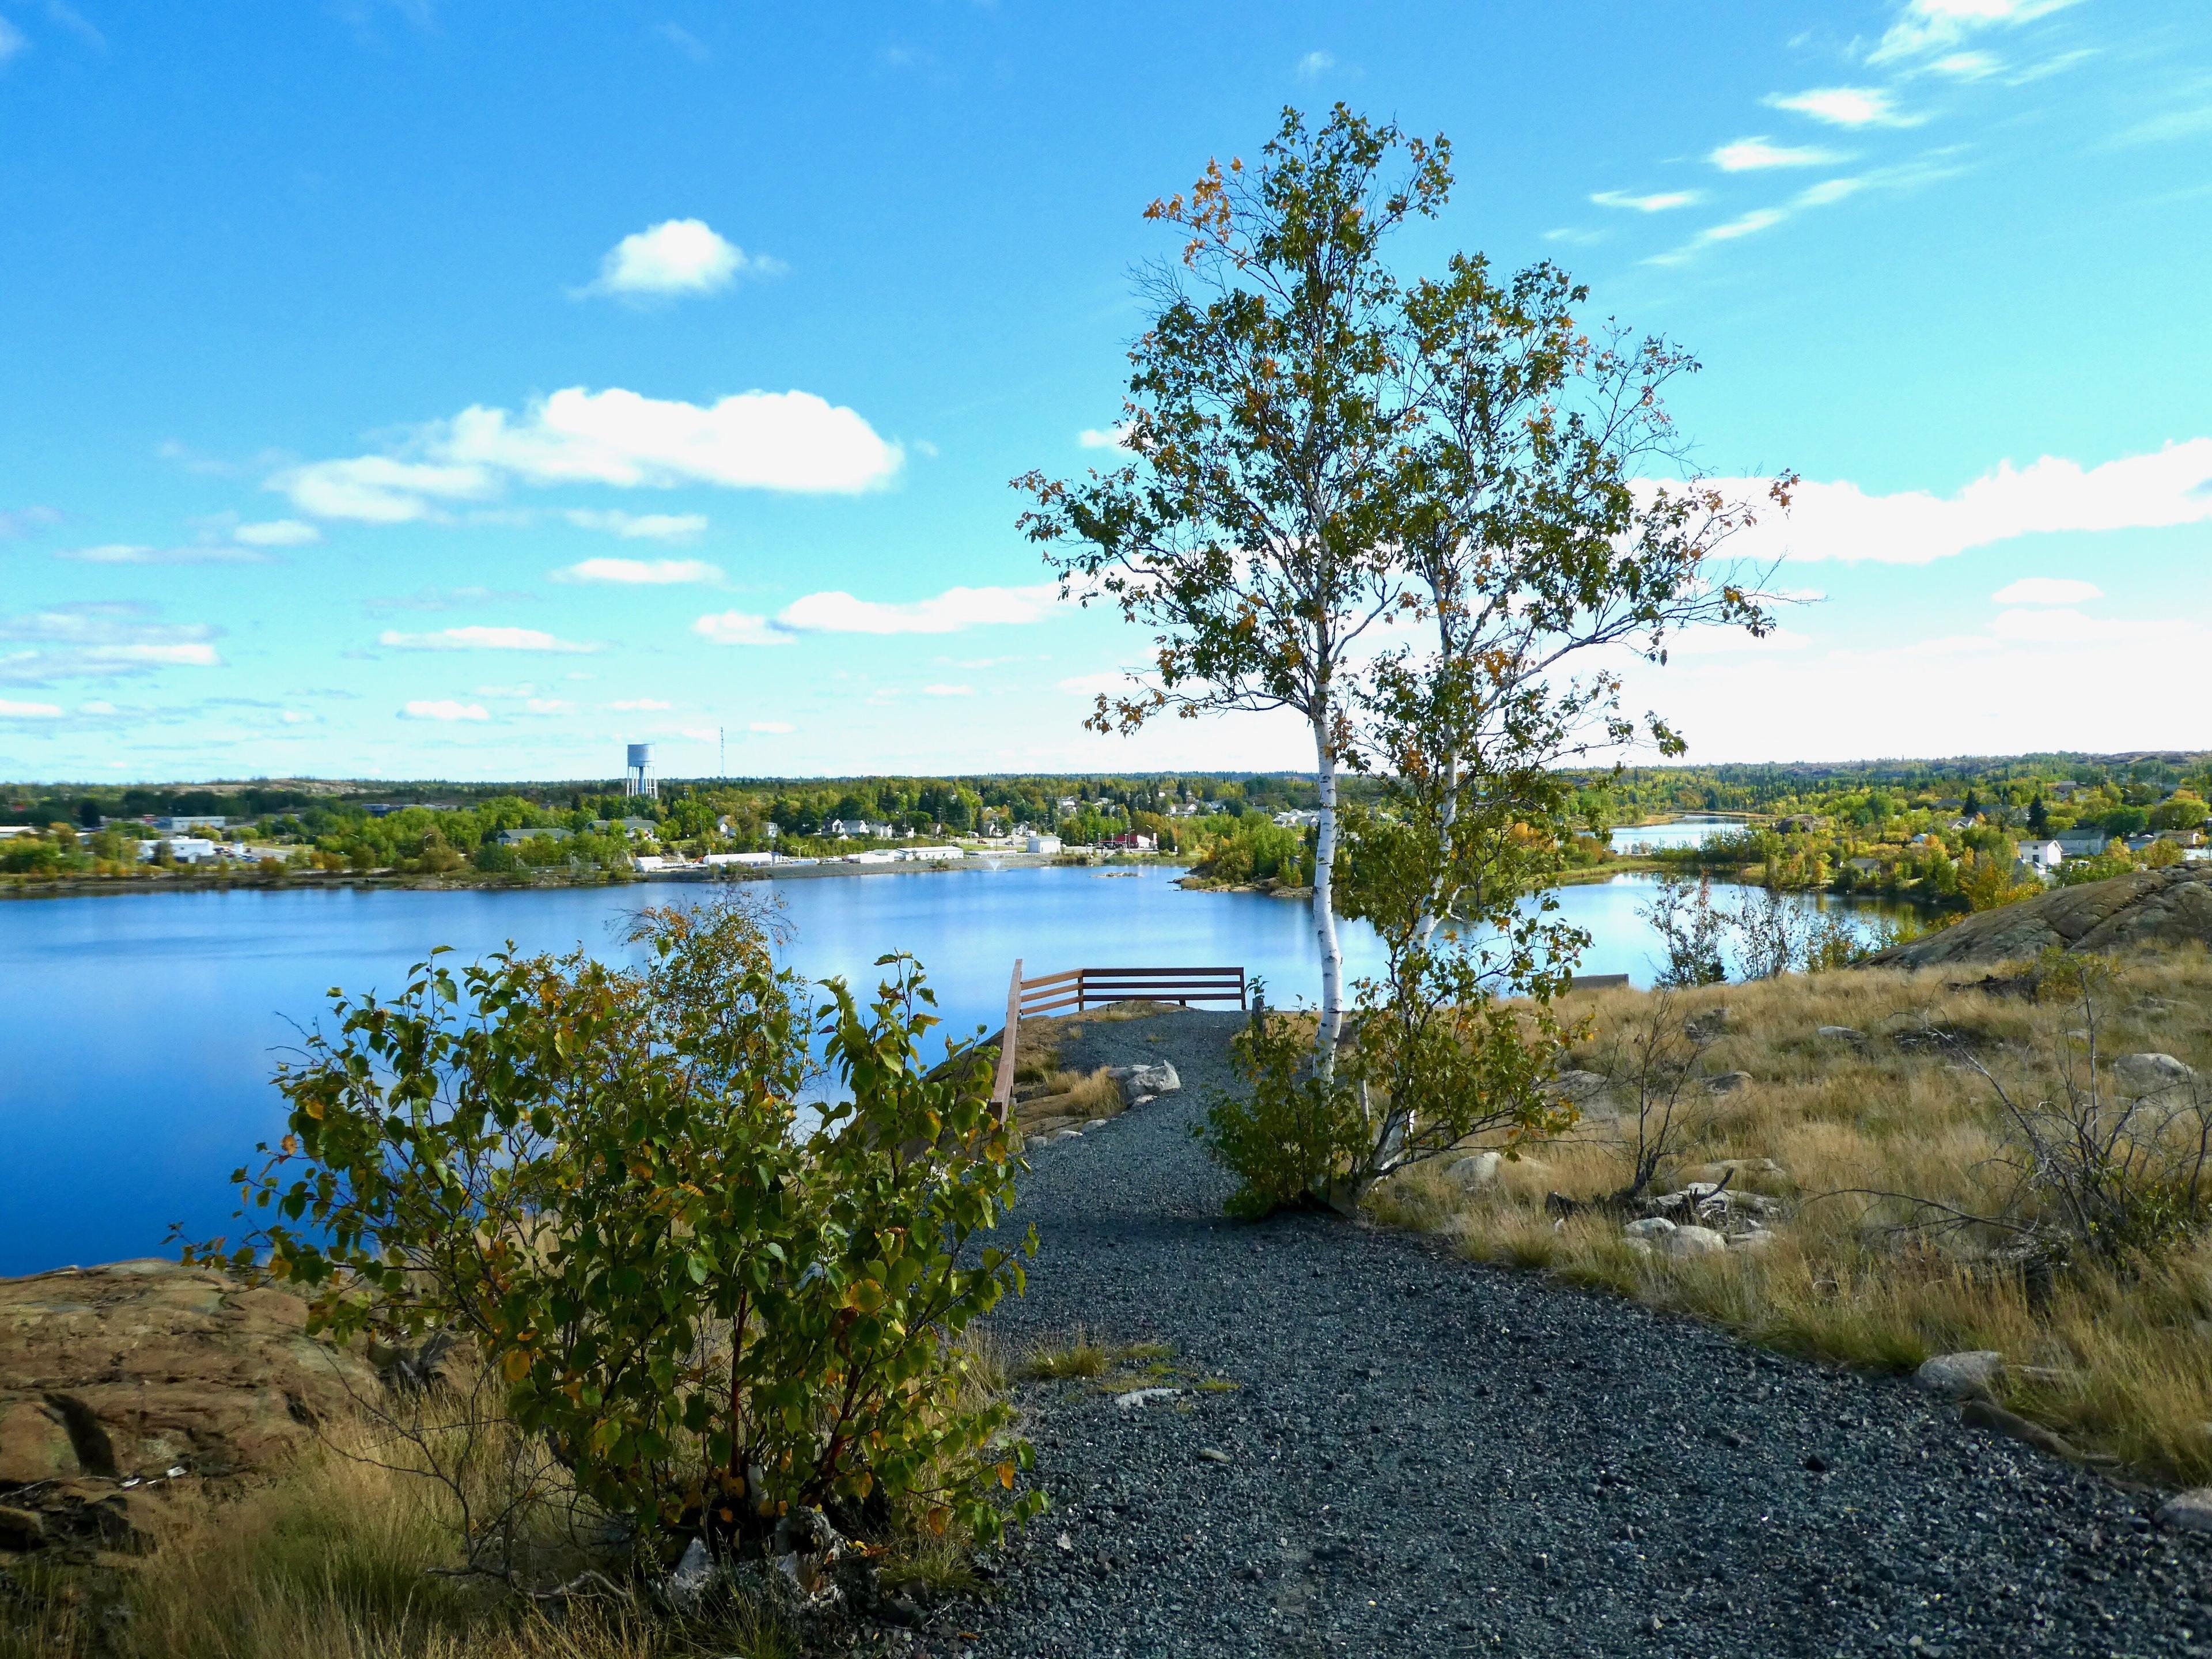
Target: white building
x=184, y=849
x=2040, y=856
x=1037, y=843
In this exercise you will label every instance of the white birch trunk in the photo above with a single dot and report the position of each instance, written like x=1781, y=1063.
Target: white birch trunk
x=1324, y=912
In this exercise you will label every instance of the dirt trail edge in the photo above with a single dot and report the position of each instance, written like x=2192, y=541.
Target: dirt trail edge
x=1424, y=1456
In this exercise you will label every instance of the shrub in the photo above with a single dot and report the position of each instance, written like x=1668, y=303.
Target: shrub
x=1293, y=1132
x=597, y=1177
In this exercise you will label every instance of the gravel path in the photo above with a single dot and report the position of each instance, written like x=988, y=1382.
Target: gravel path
x=1422, y=1456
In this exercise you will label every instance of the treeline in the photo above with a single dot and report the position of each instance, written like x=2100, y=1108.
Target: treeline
x=438, y=829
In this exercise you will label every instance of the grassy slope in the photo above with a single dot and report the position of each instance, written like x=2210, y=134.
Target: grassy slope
x=2124, y=1367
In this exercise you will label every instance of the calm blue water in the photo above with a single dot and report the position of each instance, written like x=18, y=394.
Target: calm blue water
x=137, y=1032
x=1693, y=831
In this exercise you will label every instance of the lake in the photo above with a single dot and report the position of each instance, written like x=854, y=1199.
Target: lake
x=138, y=1031
x=1693, y=831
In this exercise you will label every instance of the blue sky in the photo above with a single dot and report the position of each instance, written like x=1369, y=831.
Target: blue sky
x=463, y=390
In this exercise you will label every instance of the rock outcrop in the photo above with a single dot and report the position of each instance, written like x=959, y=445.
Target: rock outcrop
x=140, y=1368
x=2143, y=908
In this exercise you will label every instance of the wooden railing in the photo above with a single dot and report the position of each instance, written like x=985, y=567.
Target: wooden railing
x=1083, y=988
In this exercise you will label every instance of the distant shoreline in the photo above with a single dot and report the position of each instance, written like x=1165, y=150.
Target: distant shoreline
x=690, y=876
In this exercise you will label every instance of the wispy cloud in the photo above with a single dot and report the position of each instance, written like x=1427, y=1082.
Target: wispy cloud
x=1314, y=66
x=949, y=612
x=99, y=639
x=1937, y=26
x=739, y=628
x=12, y=42
x=639, y=573
x=640, y=705
x=684, y=41
x=1664, y=201
x=484, y=638
x=772, y=728
x=948, y=691
x=134, y=553
x=790, y=441
x=27, y=522
x=1105, y=437
x=674, y=259
x=443, y=708
x=2047, y=590
x=277, y=532
x=1845, y=106
x=446, y=598
x=1762, y=155
x=12, y=710
x=640, y=527
x=1838, y=520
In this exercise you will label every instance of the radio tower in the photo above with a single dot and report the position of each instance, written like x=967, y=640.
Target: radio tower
x=723, y=753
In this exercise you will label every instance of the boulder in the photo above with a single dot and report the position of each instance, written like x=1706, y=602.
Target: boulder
x=2189, y=1511
x=1708, y=1027
x=1145, y=1081
x=1589, y=1092
x=2142, y=909
x=2141, y=1076
x=1727, y=1082
x=139, y=1367
x=1471, y=1173
x=1694, y=1242
x=1752, y=1241
x=1842, y=1033
x=1961, y=1375
x=1653, y=1227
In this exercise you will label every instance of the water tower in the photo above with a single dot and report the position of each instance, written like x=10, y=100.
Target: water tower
x=638, y=778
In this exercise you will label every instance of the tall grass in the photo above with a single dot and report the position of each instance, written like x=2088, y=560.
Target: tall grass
x=2118, y=1361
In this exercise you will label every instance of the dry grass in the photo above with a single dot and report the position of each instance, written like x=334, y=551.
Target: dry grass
x=335, y=1557
x=2121, y=1364
x=1048, y=1096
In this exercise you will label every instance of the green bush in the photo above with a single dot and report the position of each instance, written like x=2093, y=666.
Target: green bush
x=1293, y=1132
x=709, y=1312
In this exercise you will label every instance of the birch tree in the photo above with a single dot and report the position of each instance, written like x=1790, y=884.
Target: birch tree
x=1253, y=529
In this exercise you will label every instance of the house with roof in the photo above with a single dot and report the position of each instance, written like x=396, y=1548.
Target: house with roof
x=2041, y=857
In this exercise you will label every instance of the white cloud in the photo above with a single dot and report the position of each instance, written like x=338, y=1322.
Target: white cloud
x=674, y=258
x=1759, y=154
x=948, y=691
x=639, y=573
x=791, y=440
x=1967, y=65
x=1925, y=25
x=640, y=526
x=11, y=41
x=782, y=440
x=949, y=612
x=377, y=490
x=772, y=728
x=1827, y=192
x=443, y=708
x=479, y=638
x=1314, y=65
x=634, y=705
x=548, y=706
x=736, y=628
x=99, y=639
x=1107, y=437
x=2047, y=590
x=10, y=710
x=278, y=533
x=1844, y=106
x=1838, y=520
x=1757, y=220
x=134, y=553
x=1732, y=641
x=1664, y=201
x=296, y=717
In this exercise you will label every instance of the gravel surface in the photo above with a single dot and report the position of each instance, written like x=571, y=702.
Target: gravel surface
x=1425, y=1456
